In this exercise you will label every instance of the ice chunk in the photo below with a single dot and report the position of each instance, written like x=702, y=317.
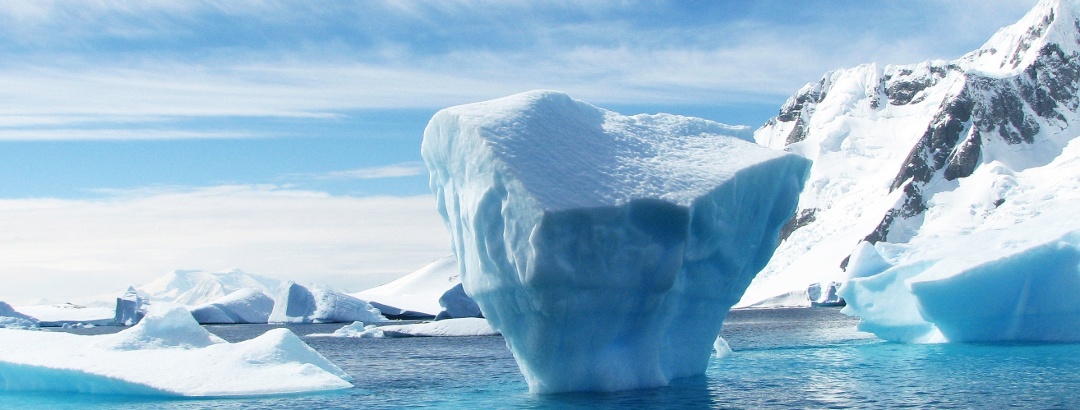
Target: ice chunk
x=457, y=304
x=824, y=294
x=299, y=304
x=721, y=348
x=607, y=249
x=130, y=307
x=470, y=326
x=246, y=305
x=10, y=319
x=1017, y=284
x=167, y=353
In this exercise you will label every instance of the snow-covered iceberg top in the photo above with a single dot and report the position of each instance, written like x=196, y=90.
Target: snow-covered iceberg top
x=607, y=249
x=247, y=305
x=167, y=353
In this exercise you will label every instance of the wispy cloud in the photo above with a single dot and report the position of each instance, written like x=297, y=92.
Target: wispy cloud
x=93, y=246
x=404, y=169
x=107, y=60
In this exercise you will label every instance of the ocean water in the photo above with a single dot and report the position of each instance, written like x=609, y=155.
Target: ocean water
x=783, y=358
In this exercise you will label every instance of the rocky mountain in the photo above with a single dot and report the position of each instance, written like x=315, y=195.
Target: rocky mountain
x=931, y=149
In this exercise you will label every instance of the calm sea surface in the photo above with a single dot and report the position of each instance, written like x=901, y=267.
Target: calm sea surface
x=783, y=358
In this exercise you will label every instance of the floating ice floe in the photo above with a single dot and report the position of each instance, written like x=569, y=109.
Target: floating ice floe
x=167, y=353
x=442, y=328
x=607, y=249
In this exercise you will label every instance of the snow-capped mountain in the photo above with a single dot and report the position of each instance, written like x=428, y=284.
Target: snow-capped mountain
x=937, y=148
x=194, y=287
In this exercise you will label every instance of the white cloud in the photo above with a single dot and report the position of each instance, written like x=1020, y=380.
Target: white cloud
x=60, y=248
x=404, y=169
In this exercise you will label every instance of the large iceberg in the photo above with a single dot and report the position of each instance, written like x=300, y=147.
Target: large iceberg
x=167, y=353
x=296, y=303
x=607, y=249
x=246, y=305
x=416, y=295
x=196, y=287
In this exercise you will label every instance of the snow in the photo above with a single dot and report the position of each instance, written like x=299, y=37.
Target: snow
x=195, y=287
x=860, y=125
x=246, y=305
x=443, y=328
x=418, y=291
x=296, y=303
x=1009, y=275
x=167, y=353
x=607, y=249
x=10, y=319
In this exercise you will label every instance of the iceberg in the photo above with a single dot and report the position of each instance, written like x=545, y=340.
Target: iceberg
x=470, y=326
x=130, y=307
x=606, y=249
x=246, y=305
x=195, y=287
x=10, y=319
x=168, y=354
x=416, y=295
x=456, y=304
x=69, y=314
x=299, y=304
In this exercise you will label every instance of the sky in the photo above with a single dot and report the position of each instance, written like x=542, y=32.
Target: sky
x=282, y=138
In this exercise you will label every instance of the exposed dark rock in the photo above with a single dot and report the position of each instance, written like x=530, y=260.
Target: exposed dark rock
x=802, y=218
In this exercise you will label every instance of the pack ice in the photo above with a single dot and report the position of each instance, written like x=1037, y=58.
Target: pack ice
x=606, y=249
x=167, y=353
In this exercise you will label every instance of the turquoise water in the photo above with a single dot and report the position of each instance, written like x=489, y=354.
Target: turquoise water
x=784, y=358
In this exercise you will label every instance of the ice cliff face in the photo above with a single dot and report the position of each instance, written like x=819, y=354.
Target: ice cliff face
x=929, y=149
x=606, y=249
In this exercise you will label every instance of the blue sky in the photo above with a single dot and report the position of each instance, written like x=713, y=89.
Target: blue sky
x=301, y=121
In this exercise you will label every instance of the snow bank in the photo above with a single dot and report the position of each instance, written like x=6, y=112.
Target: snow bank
x=10, y=319
x=443, y=328
x=295, y=303
x=242, y=306
x=167, y=353
x=607, y=249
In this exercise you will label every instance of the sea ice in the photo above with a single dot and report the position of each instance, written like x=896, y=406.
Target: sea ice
x=246, y=305
x=299, y=304
x=607, y=249
x=167, y=353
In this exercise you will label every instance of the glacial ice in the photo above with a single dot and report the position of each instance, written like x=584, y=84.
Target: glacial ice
x=457, y=304
x=130, y=307
x=607, y=249
x=296, y=303
x=1017, y=284
x=416, y=294
x=167, y=353
x=246, y=305
x=10, y=319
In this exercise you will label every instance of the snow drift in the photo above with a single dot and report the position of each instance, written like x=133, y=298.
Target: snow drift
x=167, y=353
x=607, y=249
